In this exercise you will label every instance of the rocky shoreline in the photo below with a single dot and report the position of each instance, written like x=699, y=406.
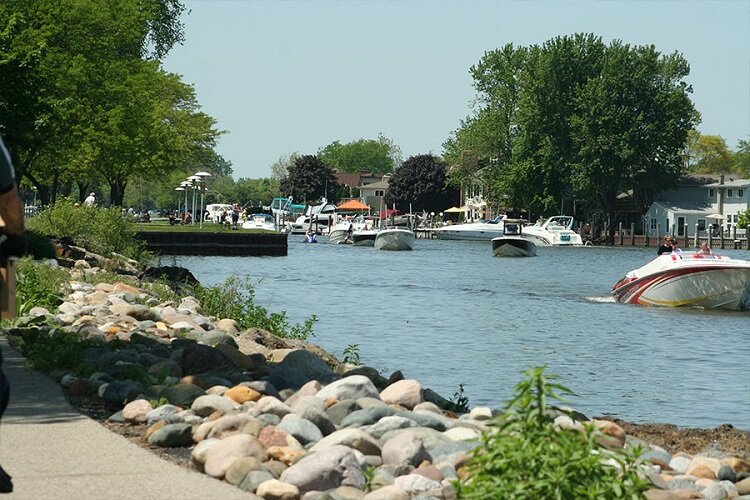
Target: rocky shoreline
x=282, y=418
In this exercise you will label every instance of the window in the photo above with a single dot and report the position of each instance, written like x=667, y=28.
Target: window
x=730, y=193
x=740, y=193
x=653, y=224
x=379, y=192
x=680, y=226
x=701, y=224
x=711, y=193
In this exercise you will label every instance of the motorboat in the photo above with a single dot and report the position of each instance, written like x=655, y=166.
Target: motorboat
x=395, y=238
x=318, y=216
x=688, y=279
x=343, y=231
x=513, y=243
x=260, y=221
x=364, y=237
x=555, y=231
x=478, y=231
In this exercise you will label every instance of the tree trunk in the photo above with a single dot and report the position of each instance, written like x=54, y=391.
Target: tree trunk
x=116, y=192
x=83, y=188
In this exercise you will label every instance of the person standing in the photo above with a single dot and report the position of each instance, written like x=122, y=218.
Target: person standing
x=90, y=200
x=13, y=245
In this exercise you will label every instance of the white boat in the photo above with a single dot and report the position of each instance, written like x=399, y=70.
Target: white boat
x=478, y=231
x=395, y=238
x=513, y=243
x=364, y=238
x=555, y=231
x=260, y=221
x=688, y=279
x=320, y=216
x=343, y=231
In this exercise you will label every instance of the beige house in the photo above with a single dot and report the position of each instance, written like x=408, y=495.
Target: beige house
x=373, y=194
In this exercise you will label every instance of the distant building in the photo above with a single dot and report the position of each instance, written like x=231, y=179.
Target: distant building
x=373, y=193
x=702, y=200
x=352, y=181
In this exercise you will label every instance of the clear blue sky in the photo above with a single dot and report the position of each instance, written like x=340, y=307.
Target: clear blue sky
x=286, y=76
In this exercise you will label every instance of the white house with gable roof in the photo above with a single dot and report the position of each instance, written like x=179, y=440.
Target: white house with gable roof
x=702, y=200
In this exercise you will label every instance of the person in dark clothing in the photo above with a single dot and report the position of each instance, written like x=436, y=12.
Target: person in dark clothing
x=667, y=246
x=12, y=244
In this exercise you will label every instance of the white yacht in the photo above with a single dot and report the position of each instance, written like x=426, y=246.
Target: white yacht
x=478, y=231
x=343, y=231
x=513, y=243
x=555, y=231
x=320, y=216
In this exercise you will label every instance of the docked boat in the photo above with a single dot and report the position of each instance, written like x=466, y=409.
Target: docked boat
x=477, y=231
x=555, y=231
x=688, y=279
x=318, y=216
x=260, y=221
x=513, y=243
x=395, y=238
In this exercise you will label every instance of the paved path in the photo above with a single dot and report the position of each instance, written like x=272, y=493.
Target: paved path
x=53, y=452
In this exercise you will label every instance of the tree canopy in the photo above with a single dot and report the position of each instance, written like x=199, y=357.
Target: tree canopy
x=574, y=118
x=420, y=181
x=309, y=179
x=83, y=97
x=379, y=156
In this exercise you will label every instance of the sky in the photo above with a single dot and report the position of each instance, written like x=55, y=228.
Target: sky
x=294, y=76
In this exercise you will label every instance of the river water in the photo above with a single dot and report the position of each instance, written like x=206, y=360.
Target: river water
x=450, y=313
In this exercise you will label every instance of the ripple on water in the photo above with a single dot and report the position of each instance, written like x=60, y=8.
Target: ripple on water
x=450, y=313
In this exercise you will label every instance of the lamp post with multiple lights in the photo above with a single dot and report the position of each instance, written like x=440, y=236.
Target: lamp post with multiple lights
x=202, y=179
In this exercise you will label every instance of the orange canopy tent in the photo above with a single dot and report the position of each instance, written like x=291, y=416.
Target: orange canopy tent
x=353, y=205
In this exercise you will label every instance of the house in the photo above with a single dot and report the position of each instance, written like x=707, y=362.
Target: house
x=352, y=181
x=699, y=201
x=373, y=194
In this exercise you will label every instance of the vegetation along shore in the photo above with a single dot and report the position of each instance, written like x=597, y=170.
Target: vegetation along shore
x=204, y=377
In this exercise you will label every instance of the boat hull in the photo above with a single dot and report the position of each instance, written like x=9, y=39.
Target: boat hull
x=474, y=232
x=509, y=246
x=395, y=239
x=711, y=286
x=339, y=237
x=364, y=238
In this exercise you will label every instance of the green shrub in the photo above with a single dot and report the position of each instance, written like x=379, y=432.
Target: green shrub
x=459, y=402
x=525, y=456
x=743, y=219
x=234, y=299
x=99, y=230
x=57, y=349
x=351, y=354
x=39, y=246
x=39, y=285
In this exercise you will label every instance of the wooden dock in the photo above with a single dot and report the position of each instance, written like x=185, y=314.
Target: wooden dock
x=239, y=243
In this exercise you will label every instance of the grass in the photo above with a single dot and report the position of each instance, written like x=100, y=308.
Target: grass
x=209, y=227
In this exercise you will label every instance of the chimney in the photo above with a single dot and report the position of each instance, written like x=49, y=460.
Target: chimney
x=721, y=179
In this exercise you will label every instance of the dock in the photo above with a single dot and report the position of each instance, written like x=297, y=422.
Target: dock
x=237, y=243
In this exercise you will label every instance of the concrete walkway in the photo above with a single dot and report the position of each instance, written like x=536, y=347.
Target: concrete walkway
x=53, y=452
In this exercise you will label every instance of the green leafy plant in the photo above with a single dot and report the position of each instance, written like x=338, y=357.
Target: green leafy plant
x=57, y=349
x=99, y=230
x=459, y=402
x=351, y=354
x=525, y=456
x=235, y=299
x=40, y=285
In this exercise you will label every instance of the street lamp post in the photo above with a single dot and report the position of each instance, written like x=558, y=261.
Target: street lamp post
x=202, y=176
x=179, y=198
x=185, y=185
x=194, y=182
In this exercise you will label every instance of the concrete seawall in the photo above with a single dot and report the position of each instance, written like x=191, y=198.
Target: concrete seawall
x=238, y=243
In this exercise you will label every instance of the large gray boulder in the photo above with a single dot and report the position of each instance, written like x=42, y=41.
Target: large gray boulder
x=326, y=469
x=353, y=387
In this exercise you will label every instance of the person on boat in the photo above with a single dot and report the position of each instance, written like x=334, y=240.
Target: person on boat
x=666, y=245
x=705, y=249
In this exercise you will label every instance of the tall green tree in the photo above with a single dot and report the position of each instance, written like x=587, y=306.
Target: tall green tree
x=420, y=183
x=742, y=158
x=364, y=155
x=709, y=154
x=59, y=60
x=309, y=179
x=576, y=118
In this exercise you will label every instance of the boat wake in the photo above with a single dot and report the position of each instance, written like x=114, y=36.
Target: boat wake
x=607, y=299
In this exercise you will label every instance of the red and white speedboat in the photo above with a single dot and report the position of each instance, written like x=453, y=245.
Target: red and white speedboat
x=688, y=279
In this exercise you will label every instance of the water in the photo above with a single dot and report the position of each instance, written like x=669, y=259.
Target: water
x=450, y=313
